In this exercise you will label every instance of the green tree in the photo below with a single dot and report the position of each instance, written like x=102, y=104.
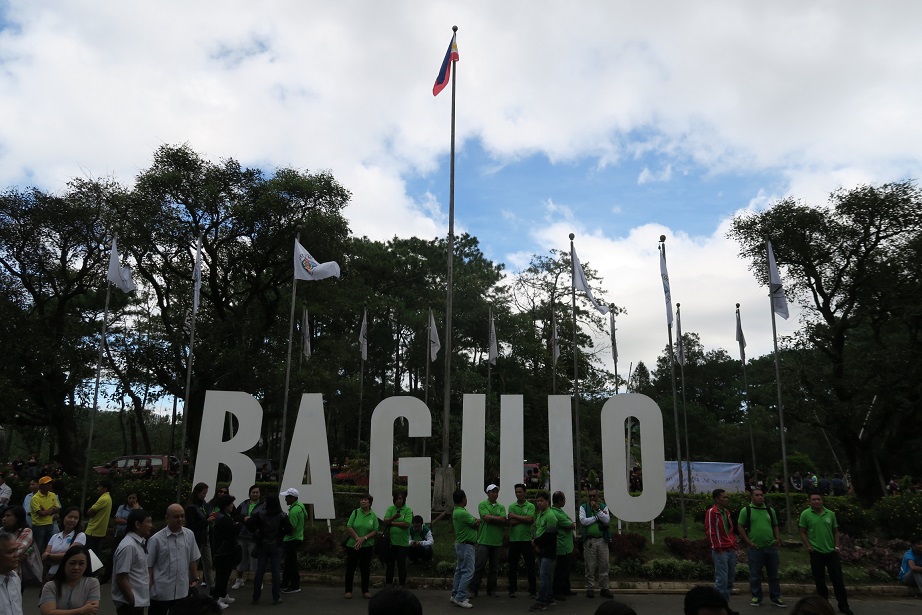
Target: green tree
x=856, y=269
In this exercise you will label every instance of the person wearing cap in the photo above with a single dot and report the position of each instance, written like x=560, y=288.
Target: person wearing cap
x=397, y=518
x=291, y=543
x=489, y=541
x=172, y=559
x=44, y=506
x=99, y=514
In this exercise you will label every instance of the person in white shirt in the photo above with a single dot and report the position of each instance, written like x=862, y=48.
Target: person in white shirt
x=131, y=590
x=10, y=584
x=69, y=536
x=172, y=556
x=27, y=501
x=6, y=492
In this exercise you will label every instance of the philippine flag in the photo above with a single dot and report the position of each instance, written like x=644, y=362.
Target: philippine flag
x=445, y=72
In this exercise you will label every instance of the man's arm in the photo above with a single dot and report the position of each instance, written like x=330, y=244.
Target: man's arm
x=913, y=566
x=427, y=540
x=121, y=579
x=803, y=538
x=835, y=534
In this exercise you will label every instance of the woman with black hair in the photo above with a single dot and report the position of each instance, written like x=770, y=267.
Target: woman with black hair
x=69, y=536
x=14, y=522
x=197, y=513
x=223, y=547
x=71, y=591
x=269, y=525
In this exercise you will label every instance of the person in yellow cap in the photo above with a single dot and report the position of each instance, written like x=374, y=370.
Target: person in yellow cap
x=44, y=506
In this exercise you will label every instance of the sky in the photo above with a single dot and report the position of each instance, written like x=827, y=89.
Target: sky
x=616, y=121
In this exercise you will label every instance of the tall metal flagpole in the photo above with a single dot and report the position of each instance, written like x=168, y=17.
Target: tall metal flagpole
x=784, y=451
x=742, y=343
x=89, y=446
x=489, y=365
x=446, y=405
x=680, y=345
x=291, y=332
x=579, y=483
x=428, y=346
x=675, y=402
x=185, y=403
x=614, y=344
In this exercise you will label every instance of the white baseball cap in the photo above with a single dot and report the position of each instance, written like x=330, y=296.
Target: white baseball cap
x=292, y=492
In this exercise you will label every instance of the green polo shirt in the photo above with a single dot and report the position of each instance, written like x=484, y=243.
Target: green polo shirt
x=363, y=523
x=564, y=531
x=820, y=528
x=400, y=536
x=465, y=525
x=760, y=525
x=521, y=532
x=490, y=534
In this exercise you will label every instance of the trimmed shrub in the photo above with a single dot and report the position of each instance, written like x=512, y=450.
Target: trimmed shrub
x=689, y=550
x=900, y=516
x=627, y=546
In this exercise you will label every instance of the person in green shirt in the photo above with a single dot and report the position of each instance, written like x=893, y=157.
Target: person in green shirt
x=465, y=525
x=99, y=514
x=564, y=547
x=397, y=519
x=521, y=517
x=489, y=541
x=820, y=534
x=362, y=527
x=594, y=519
x=545, y=546
x=291, y=543
x=758, y=526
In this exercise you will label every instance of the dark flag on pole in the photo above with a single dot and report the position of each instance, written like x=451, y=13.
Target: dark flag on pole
x=441, y=81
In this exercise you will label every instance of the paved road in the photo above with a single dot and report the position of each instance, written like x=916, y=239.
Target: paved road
x=314, y=599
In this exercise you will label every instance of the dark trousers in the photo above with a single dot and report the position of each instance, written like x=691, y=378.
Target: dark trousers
x=272, y=558
x=223, y=564
x=523, y=549
x=485, y=554
x=160, y=607
x=362, y=559
x=819, y=563
x=396, y=555
x=562, y=575
x=127, y=609
x=419, y=553
x=290, y=577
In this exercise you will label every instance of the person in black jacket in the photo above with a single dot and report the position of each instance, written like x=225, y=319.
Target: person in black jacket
x=197, y=521
x=269, y=525
x=224, y=547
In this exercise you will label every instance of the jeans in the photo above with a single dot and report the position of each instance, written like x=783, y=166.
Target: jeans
x=819, y=563
x=525, y=550
x=248, y=561
x=562, y=574
x=396, y=555
x=360, y=558
x=913, y=579
x=545, y=571
x=485, y=554
x=724, y=572
x=595, y=551
x=464, y=570
x=273, y=557
x=41, y=534
x=767, y=557
x=290, y=577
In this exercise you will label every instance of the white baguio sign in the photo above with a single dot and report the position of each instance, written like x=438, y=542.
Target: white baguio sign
x=309, y=452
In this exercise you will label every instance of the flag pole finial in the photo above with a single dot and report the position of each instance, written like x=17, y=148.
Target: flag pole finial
x=572, y=236
x=678, y=305
x=454, y=28
x=662, y=239
x=737, y=306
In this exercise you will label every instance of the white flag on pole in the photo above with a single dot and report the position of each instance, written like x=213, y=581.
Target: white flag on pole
x=306, y=336
x=118, y=275
x=580, y=283
x=434, y=344
x=775, y=289
x=680, y=349
x=555, y=341
x=494, y=351
x=307, y=267
x=363, y=335
x=197, y=275
x=665, y=275
x=740, y=337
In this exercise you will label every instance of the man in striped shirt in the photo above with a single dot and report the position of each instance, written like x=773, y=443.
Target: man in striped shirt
x=718, y=527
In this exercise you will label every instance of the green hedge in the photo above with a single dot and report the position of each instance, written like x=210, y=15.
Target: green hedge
x=900, y=516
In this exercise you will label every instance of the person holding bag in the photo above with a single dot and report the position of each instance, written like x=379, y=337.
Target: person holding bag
x=362, y=528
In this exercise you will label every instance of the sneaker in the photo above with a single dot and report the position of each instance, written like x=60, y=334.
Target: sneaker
x=533, y=596
x=276, y=602
x=538, y=606
x=466, y=604
x=452, y=599
x=237, y=584
x=605, y=593
x=781, y=604
x=755, y=602
x=223, y=605
x=292, y=590
x=227, y=600
x=551, y=603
